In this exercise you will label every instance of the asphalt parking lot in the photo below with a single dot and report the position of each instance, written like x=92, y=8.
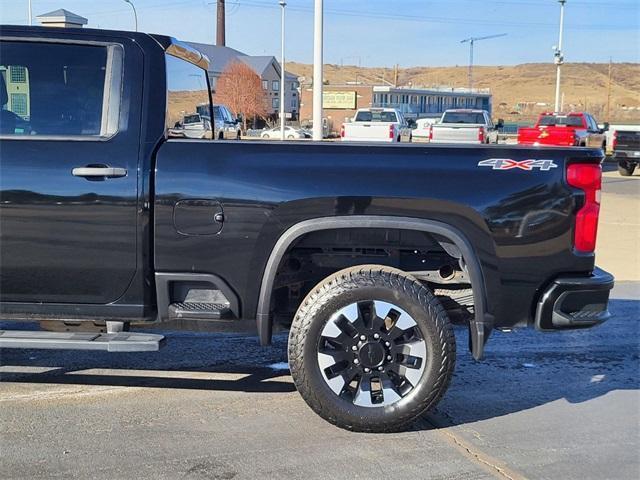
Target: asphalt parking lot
x=216, y=406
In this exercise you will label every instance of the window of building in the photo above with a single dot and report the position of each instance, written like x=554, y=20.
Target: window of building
x=188, y=105
x=265, y=84
x=275, y=85
x=55, y=89
x=275, y=103
x=294, y=86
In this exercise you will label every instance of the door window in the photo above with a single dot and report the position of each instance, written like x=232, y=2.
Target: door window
x=59, y=90
x=187, y=95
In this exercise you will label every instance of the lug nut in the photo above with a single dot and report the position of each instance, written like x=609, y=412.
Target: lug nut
x=367, y=370
x=363, y=338
x=387, y=344
x=356, y=361
x=354, y=348
x=389, y=357
x=376, y=336
x=380, y=369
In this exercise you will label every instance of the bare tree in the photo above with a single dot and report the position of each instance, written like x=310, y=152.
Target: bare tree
x=240, y=89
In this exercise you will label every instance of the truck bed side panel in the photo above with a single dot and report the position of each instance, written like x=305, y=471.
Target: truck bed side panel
x=519, y=222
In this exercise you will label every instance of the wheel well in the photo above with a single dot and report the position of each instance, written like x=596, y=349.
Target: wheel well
x=431, y=258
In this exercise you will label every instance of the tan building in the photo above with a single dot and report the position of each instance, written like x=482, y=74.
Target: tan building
x=340, y=102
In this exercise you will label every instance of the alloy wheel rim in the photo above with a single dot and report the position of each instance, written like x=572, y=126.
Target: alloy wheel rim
x=371, y=353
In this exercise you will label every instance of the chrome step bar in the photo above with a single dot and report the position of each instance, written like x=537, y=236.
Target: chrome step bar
x=108, y=342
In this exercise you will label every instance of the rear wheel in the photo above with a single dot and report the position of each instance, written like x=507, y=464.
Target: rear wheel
x=626, y=169
x=371, y=349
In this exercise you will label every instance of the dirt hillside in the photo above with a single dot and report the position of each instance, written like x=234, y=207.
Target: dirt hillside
x=516, y=88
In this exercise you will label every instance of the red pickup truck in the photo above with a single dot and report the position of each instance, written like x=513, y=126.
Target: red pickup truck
x=571, y=129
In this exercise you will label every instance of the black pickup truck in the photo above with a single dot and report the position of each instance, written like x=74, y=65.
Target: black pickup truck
x=626, y=151
x=366, y=253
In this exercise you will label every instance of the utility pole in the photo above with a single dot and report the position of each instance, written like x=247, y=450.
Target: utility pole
x=317, y=69
x=395, y=75
x=608, y=116
x=558, y=56
x=471, y=41
x=135, y=14
x=221, y=34
x=30, y=14
x=282, y=4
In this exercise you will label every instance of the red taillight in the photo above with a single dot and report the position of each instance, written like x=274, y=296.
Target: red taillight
x=481, y=135
x=614, y=143
x=430, y=132
x=342, y=131
x=587, y=178
x=392, y=134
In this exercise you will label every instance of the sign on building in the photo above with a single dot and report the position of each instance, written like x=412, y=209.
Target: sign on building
x=339, y=100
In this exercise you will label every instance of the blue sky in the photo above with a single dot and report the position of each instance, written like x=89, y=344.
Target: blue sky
x=382, y=32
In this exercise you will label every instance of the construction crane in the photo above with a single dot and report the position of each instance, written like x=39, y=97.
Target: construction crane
x=471, y=41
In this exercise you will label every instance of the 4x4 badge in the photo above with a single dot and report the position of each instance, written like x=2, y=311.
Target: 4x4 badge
x=508, y=164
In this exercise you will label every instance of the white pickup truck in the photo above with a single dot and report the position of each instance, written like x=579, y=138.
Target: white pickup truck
x=376, y=125
x=464, y=126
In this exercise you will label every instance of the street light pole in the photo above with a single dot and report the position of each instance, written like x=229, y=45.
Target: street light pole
x=559, y=57
x=135, y=14
x=317, y=69
x=282, y=72
x=30, y=14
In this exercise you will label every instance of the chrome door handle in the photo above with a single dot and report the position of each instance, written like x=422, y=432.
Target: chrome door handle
x=106, y=172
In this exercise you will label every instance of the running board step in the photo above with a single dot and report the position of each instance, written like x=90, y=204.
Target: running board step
x=109, y=342
x=198, y=311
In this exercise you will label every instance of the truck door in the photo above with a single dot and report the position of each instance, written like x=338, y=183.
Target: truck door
x=68, y=171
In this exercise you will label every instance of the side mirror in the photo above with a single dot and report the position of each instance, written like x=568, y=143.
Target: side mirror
x=605, y=127
x=500, y=123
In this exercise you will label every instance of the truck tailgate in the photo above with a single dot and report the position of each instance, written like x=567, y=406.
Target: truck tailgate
x=367, y=132
x=456, y=133
x=561, y=136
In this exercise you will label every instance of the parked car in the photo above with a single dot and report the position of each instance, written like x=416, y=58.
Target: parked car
x=290, y=133
x=577, y=129
x=376, y=125
x=423, y=128
x=225, y=126
x=626, y=151
x=365, y=253
x=464, y=126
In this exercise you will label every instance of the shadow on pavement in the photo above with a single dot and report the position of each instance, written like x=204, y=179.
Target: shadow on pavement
x=522, y=370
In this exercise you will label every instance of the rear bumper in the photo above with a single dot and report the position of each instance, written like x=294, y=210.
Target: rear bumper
x=572, y=302
x=627, y=156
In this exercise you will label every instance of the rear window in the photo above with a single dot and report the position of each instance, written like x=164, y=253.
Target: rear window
x=192, y=119
x=463, y=117
x=376, y=117
x=56, y=89
x=561, y=120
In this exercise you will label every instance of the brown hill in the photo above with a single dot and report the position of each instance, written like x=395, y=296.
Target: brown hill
x=585, y=85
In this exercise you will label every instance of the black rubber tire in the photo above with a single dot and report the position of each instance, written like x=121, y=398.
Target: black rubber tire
x=368, y=282
x=625, y=169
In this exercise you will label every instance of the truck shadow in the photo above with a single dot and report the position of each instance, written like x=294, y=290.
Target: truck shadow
x=521, y=371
